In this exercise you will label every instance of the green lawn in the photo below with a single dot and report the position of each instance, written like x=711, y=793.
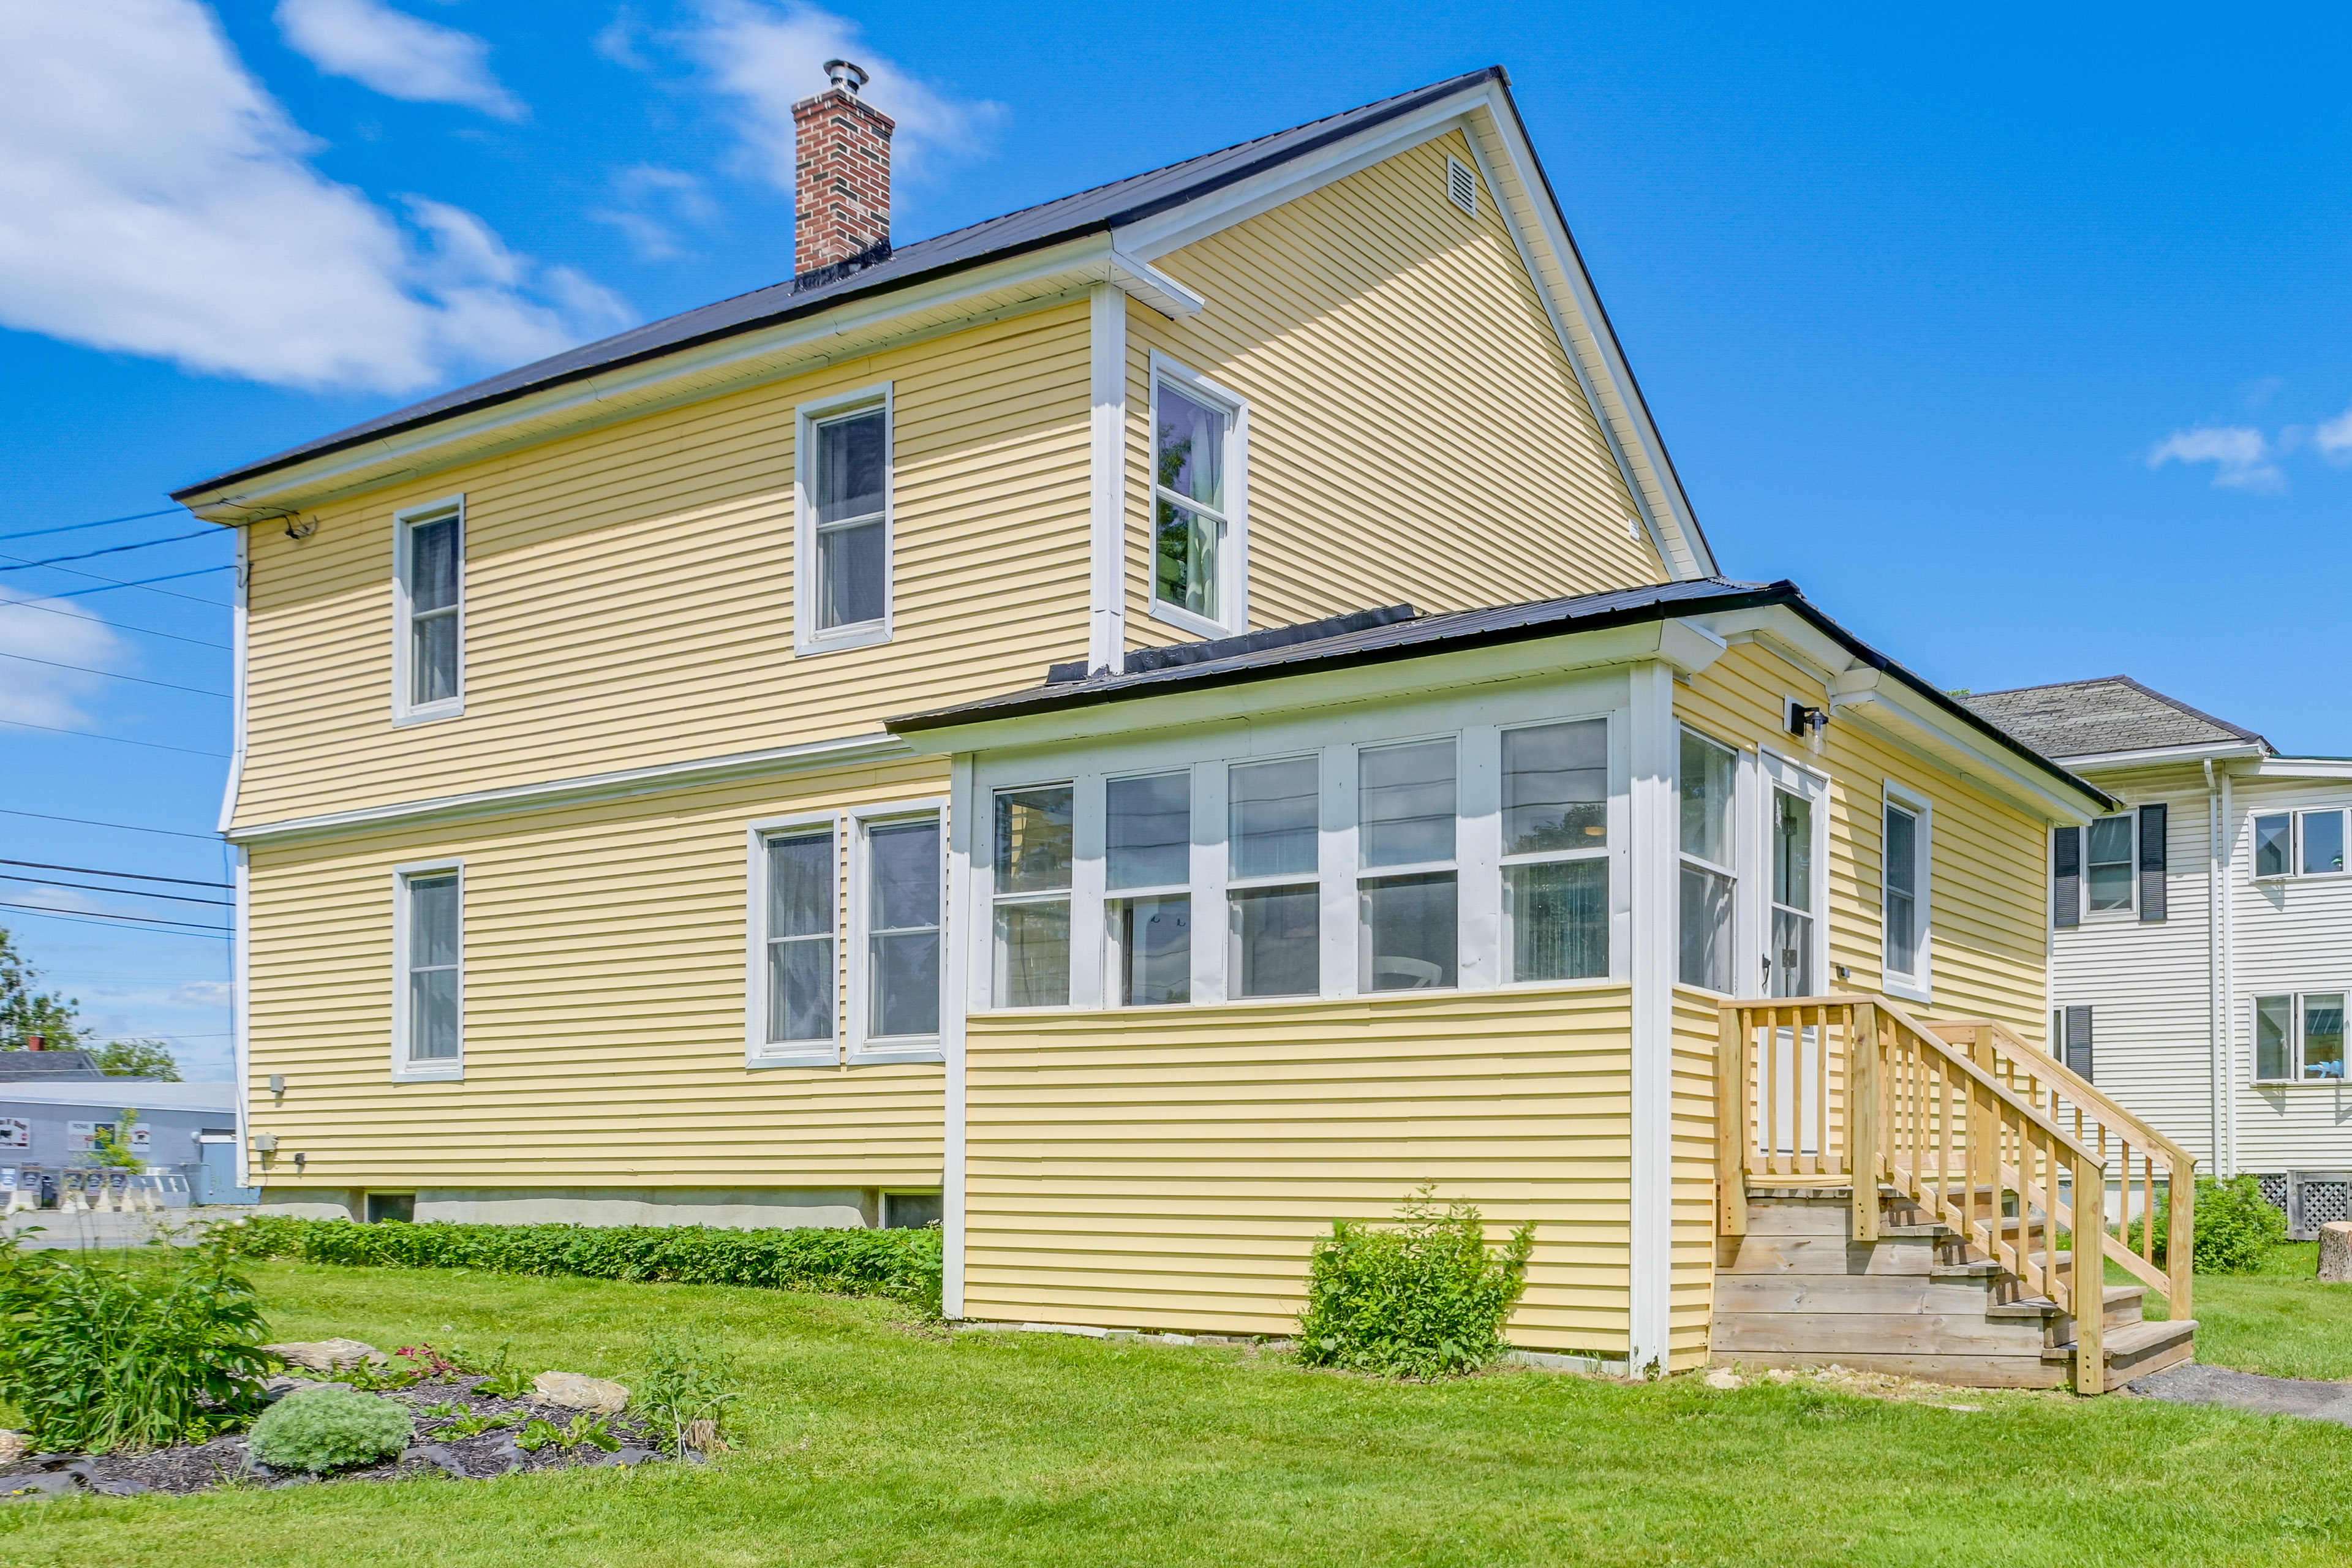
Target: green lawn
x=868, y=1439
x=2280, y=1320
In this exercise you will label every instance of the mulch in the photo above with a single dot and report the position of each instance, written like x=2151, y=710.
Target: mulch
x=436, y=1451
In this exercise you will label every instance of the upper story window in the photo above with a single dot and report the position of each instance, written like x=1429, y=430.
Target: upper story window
x=428, y=945
x=2299, y=843
x=2114, y=867
x=2299, y=1038
x=1199, y=510
x=1708, y=883
x=429, y=585
x=1904, y=874
x=843, y=536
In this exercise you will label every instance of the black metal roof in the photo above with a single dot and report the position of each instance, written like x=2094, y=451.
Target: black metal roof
x=1261, y=656
x=1104, y=207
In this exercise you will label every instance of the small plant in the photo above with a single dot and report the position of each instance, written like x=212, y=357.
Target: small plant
x=111, y=1144
x=2236, y=1227
x=447, y=1410
x=384, y=1378
x=685, y=1393
x=585, y=1431
x=431, y=1364
x=504, y=1380
x=473, y=1424
x=330, y=1430
x=1423, y=1299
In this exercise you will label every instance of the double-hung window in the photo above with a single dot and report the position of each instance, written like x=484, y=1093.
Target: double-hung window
x=1199, y=472
x=1904, y=900
x=1555, y=851
x=2299, y=843
x=429, y=663
x=1410, y=929
x=1273, y=900
x=1710, y=774
x=1148, y=870
x=2299, y=1037
x=844, y=537
x=428, y=1011
x=1033, y=859
x=800, y=915
x=2107, y=863
x=899, y=908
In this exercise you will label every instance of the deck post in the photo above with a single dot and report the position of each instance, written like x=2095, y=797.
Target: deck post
x=2180, y=1238
x=2087, y=1295
x=1862, y=1099
x=1731, y=1125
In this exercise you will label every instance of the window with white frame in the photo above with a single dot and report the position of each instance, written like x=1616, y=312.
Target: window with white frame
x=801, y=976
x=2107, y=862
x=430, y=547
x=1904, y=888
x=1708, y=881
x=844, y=521
x=1795, y=925
x=2299, y=843
x=432, y=963
x=2299, y=1037
x=1408, y=926
x=1274, y=895
x=1148, y=872
x=1035, y=853
x=1555, y=850
x=899, y=909
x=1198, y=477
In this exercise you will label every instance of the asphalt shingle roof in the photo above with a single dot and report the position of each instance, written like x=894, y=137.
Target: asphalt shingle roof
x=2113, y=713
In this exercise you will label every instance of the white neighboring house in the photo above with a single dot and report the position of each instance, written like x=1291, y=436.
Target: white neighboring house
x=2202, y=939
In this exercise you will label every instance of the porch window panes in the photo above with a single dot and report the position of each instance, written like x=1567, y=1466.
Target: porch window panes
x=1189, y=509
x=801, y=905
x=1274, y=930
x=2273, y=1038
x=1274, y=817
x=1555, y=850
x=1151, y=950
x=902, y=861
x=1709, y=773
x=1405, y=806
x=435, y=558
x=1793, y=894
x=2107, y=863
x=433, y=961
x=852, y=527
x=1033, y=863
x=2322, y=842
x=1149, y=830
x=1902, y=891
x=1276, y=938
x=2274, y=845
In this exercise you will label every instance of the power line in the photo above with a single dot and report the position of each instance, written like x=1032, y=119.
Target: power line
x=134, y=876
x=102, y=522
x=116, y=674
x=118, y=740
x=125, y=827
x=142, y=582
x=88, y=915
x=23, y=565
x=124, y=892
x=110, y=626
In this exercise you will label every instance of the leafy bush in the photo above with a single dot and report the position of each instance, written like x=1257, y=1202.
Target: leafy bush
x=898, y=1265
x=99, y=1356
x=685, y=1393
x=1425, y=1298
x=331, y=1429
x=2236, y=1227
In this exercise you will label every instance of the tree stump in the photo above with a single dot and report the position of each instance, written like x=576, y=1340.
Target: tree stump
x=2336, y=1253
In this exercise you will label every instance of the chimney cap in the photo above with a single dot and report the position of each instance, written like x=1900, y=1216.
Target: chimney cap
x=846, y=76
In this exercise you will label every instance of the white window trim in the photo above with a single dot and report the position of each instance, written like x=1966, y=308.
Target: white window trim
x=1233, y=558
x=991, y=900
x=403, y=1070
x=1485, y=856
x=863, y=1047
x=1919, y=984
x=807, y=636
x=2295, y=993
x=403, y=660
x=2129, y=913
x=1780, y=771
x=759, y=1051
x=1741, y=870
x=2294, y=872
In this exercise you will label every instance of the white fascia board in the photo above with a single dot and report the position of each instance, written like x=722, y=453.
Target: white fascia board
x=1683, y=647
x=806, y=757
x=855, y=328
x=2297, y=768
x=2155, y=756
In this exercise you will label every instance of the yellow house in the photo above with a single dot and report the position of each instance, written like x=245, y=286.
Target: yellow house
x=765, y=769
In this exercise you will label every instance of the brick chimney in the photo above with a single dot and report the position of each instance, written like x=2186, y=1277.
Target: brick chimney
x=841, y=209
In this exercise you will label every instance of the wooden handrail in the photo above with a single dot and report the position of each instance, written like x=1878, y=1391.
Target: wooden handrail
x=2049, y=1070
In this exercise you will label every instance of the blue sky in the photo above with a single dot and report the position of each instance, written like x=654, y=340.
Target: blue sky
x=2014, y=335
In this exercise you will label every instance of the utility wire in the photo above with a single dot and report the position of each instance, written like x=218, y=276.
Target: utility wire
x=126, y=892
x=125, y=827
x=142, y=582
x=96, y=915
x=118, y=740
x=134, y=876
x=115, y=675
x=110, y=626
x=23, y=565
x=102, y=522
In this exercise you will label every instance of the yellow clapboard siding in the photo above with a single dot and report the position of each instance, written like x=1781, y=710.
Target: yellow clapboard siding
x=1416, y=431
x=604, y=1009
x=1172, y=1168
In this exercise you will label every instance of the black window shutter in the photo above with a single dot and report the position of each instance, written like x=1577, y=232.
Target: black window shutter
x=2151, y=862
x=2078, y=1040
x=2066, y=876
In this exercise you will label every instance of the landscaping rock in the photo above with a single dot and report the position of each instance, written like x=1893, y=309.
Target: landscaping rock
x=1724, y=1377
x=575, y=1392
x=2336, y=1253
x=328, y=1355
x=12, y=1447
x=274, y=1389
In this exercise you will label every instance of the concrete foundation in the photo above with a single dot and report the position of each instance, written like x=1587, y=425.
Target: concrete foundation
x=734, y=1209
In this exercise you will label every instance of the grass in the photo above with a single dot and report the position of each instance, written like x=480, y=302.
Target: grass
x=2279, y=1321
x=870, y=1440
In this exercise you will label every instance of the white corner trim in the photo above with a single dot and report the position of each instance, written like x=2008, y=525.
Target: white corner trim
x=758, y=1050
x=777, y=760
x=241, y=1007
x=239, y=632
x=1106, y=495
x=955, y=986
x=1654, y=738
x=1146, y=285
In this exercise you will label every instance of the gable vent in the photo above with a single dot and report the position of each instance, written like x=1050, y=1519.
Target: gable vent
x=1462, y=185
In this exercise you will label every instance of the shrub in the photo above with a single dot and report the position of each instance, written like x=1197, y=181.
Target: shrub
x=685, y=1393
x=898, y=1265
x=331, y=1429
x=1425, y=1298
x=99, y=1356
x=2236, y=1227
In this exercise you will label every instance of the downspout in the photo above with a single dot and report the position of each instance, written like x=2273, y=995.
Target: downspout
x=241, y=915
x=2214, y=1010
x=2226, y=1160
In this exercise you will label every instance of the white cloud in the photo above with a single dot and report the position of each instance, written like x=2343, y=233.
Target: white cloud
x=2333, y=438
x=39, y=693
x=650, y=204
x=205, y=994
x=155, y=200
x=397, y=55
x=768, y=56
x=2240, y=456
x=617, y=40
